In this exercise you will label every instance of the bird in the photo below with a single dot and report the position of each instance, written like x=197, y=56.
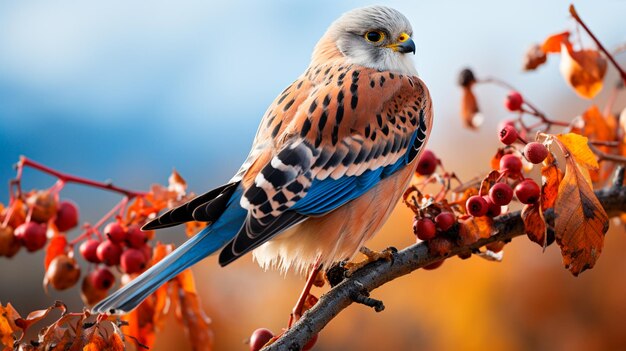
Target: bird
x=331, y=158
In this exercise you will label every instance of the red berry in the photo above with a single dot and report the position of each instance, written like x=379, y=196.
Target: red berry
x=67, y=216
x=506, y=122
x=508, y=135
x=109, y=253
x=102, y=278
x=425, y=229
x=32, y=235
x=135, y=237
x=445, y=220
x=493, y=210
x=147, y=251
x=527, y=192
x=501, y=194
x=309, y=345
x=9, y=244
x=88, y=249
x=43, y=205
x=259, y=338
x=433, y=265
x=514, y=101
x=476, y=206
x=535, y=152
x=115, y=232
x=427, y=163
x=132, y=261
x=511, y=163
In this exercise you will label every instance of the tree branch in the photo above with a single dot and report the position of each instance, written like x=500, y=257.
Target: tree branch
x=378, y=273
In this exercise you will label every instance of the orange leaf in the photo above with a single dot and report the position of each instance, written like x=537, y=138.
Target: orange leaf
x=580, y=220
x=596, y=126
x=552, y=44
x=551, y=176
x=469, y=109
x=495, y=160
x=176, y=183
x=57, y=246
x=193, y=227
x=196, y=323
x=535, y=224
x=8, y=315
x=474, y=228
x=583, y=70
x=577, y=147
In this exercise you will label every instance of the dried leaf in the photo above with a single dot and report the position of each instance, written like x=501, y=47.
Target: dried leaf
x=581, y=222
x=578, y=148
x=534, y=57
x=551, y=176
x=8, y=315
x=474, y=229
x=596, y=126
x=469, y=109
x=38, y=315
x=488, y=182
x=552, y=44
x=535, y=224
x=583, y=70
x=56, y=247
x=196, y=323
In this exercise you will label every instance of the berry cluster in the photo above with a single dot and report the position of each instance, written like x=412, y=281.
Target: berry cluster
x=510, y=181
x=124, y=246
x=26, y=224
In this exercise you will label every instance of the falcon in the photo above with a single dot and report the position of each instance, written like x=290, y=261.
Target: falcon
x=332, y=156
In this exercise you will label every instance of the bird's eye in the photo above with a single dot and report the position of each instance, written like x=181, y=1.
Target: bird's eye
x=374, y=36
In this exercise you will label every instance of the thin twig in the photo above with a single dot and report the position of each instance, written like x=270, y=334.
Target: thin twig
x=572, y=11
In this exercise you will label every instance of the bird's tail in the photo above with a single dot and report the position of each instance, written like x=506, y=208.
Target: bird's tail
x=201, y=245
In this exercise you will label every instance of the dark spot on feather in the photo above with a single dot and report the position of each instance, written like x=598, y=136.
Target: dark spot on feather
x=385, y=129
x=379, y=119
x=306, y=126
x=256, y=195
x=391, y=76
x=280, y=198
x=354, y=101
x=266, y=208
x=322, y=122
x=382, y=81
x=313, y=106
x=295, y=187
x=276, y=177
x=288, y=105
x=326, y=101
x=367, y=131
x=335, y=135
x=372, y=83
x=276, y=129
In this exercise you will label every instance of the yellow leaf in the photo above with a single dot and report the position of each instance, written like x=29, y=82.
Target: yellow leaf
x=583, y=70
x=580, y=220
x=577, y=147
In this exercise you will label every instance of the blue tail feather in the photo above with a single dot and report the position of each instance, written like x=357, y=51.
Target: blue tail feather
x=201, y=245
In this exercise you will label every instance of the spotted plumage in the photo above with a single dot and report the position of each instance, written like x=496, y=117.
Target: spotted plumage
x=332, y=156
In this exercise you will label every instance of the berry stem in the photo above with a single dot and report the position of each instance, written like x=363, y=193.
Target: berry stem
x=622, y=73
x=534, y=111
x=603, y=156
x=94, y=229
x=68, y=178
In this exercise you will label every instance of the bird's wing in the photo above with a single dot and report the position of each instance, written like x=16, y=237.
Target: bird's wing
x=334, y=134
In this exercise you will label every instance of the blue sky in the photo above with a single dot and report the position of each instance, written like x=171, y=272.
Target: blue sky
x=128, y=90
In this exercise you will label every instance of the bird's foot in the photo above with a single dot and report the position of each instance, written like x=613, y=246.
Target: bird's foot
x=371, y=256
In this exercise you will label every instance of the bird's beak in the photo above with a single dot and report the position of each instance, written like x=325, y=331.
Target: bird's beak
x=404, y=45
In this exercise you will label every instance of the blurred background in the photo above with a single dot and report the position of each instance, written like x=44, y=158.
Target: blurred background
x=129, y=90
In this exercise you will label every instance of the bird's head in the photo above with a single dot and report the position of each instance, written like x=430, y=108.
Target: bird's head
x=378, y=37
